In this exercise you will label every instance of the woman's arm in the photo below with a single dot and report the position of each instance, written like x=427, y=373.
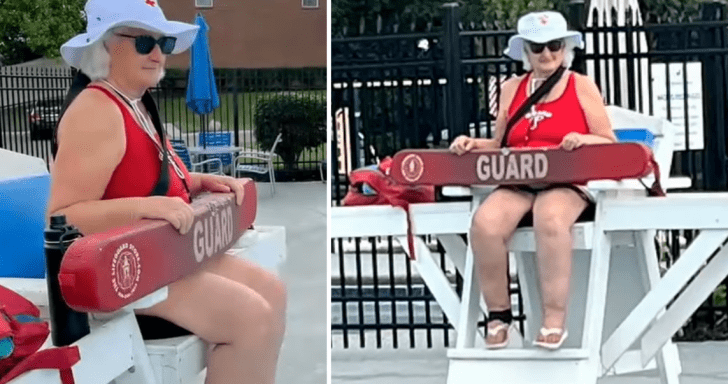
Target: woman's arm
x=203, y=182
x=91, y=143
x=600, y=127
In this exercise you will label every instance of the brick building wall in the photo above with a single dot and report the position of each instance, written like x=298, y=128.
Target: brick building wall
x=256, y=34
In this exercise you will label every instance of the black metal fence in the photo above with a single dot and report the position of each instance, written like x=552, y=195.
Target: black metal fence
x=383, y=295
x=30, y=99
x=422, y=89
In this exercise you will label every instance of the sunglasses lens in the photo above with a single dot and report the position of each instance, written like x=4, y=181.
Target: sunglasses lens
x=555, y=45
x=166, y=44
x=144, y=44
x=537, y=48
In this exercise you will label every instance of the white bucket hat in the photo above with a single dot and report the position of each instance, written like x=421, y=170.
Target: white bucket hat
x=103, y=15
x=540, y=27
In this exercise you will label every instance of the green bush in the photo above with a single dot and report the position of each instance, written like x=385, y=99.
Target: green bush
x=300, y=120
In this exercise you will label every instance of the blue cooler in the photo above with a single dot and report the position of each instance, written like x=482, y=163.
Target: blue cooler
x=635, y=135
x=24, y=190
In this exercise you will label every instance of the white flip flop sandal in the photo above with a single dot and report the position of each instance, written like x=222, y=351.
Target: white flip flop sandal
x=494, y=331
x=546, y=332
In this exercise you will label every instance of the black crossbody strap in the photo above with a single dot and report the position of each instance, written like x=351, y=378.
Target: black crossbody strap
x=533, y=99
x=162, y=186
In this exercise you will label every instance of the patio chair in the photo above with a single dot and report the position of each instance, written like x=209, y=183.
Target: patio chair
x=263, y=165
x=180, y=148
x=217, y=139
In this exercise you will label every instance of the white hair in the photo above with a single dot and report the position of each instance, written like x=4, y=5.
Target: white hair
x=96, y=61
x=569, y=47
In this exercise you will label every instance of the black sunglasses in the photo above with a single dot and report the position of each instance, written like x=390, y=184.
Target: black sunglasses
x=553, y=46
x=145, y=44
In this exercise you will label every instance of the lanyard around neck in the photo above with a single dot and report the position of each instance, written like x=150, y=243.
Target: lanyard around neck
x=133, y=104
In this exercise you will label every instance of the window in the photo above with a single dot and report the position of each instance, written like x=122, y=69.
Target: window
x=309, y=3
x=203, y=3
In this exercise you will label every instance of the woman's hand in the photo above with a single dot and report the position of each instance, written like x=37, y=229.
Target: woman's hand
x=173, y=209
x=462, y=145
x=573, y=140
x=216, y=183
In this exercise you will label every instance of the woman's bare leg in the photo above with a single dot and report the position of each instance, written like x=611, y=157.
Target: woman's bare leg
x=237, y=320
x=258, y=279
x=554, y=214
x=493, y=225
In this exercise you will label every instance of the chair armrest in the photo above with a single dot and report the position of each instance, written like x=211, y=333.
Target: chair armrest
x=213, y=160
x=634, y=184
x=251, y=155
x=256, y=153
x=594, y=185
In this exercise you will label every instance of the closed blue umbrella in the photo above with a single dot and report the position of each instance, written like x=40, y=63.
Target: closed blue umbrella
x=202, y=97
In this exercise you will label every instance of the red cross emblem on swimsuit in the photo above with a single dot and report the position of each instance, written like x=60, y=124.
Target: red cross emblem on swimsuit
x=151, y=3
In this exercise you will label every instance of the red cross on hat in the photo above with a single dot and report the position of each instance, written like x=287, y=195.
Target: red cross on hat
x=544, y=19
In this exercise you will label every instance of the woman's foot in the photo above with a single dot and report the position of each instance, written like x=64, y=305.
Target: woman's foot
x=551, y=338
x=498, y=334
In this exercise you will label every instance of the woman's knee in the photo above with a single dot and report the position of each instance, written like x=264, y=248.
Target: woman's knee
x=488, y=225
x=551, y=224
x=254, y=322
x=278, y=295
x=275, y=292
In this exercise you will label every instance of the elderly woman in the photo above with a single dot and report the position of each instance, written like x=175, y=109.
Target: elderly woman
x=570, y=115
x=108, y=171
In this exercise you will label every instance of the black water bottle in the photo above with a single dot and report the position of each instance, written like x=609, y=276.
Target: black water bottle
x=67, y=325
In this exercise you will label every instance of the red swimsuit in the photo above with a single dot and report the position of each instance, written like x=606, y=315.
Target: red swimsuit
x=546, y=125
x=139, y=169
x=552, y=120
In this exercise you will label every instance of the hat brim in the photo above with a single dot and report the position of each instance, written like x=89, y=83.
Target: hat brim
x=515, y=43
x=72, y=50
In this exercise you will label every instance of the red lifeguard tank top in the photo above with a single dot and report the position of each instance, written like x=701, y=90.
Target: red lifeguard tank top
x=550, y=122
x=139, y=169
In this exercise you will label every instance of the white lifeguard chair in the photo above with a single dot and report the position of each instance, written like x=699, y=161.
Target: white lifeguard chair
x=617, y=317
x=114, y=351
x=611, y=272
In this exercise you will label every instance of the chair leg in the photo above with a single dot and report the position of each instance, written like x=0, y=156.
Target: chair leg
x=272, y=176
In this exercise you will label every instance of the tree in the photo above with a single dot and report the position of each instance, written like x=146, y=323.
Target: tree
x=504, y=14
x=375, y=16
x=670, y=11
x=34, y=28
x=300, y=121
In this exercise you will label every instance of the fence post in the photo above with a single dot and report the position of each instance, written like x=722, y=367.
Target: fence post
x=3, y=110
x=453, y=72
x=714, y=85
x=576, y=19
x=236, y=116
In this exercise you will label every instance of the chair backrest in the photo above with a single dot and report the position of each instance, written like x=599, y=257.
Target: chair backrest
x=279, y=138
x=180, y=148
x=662, y=130
x=215, y=138
x=222, y=139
